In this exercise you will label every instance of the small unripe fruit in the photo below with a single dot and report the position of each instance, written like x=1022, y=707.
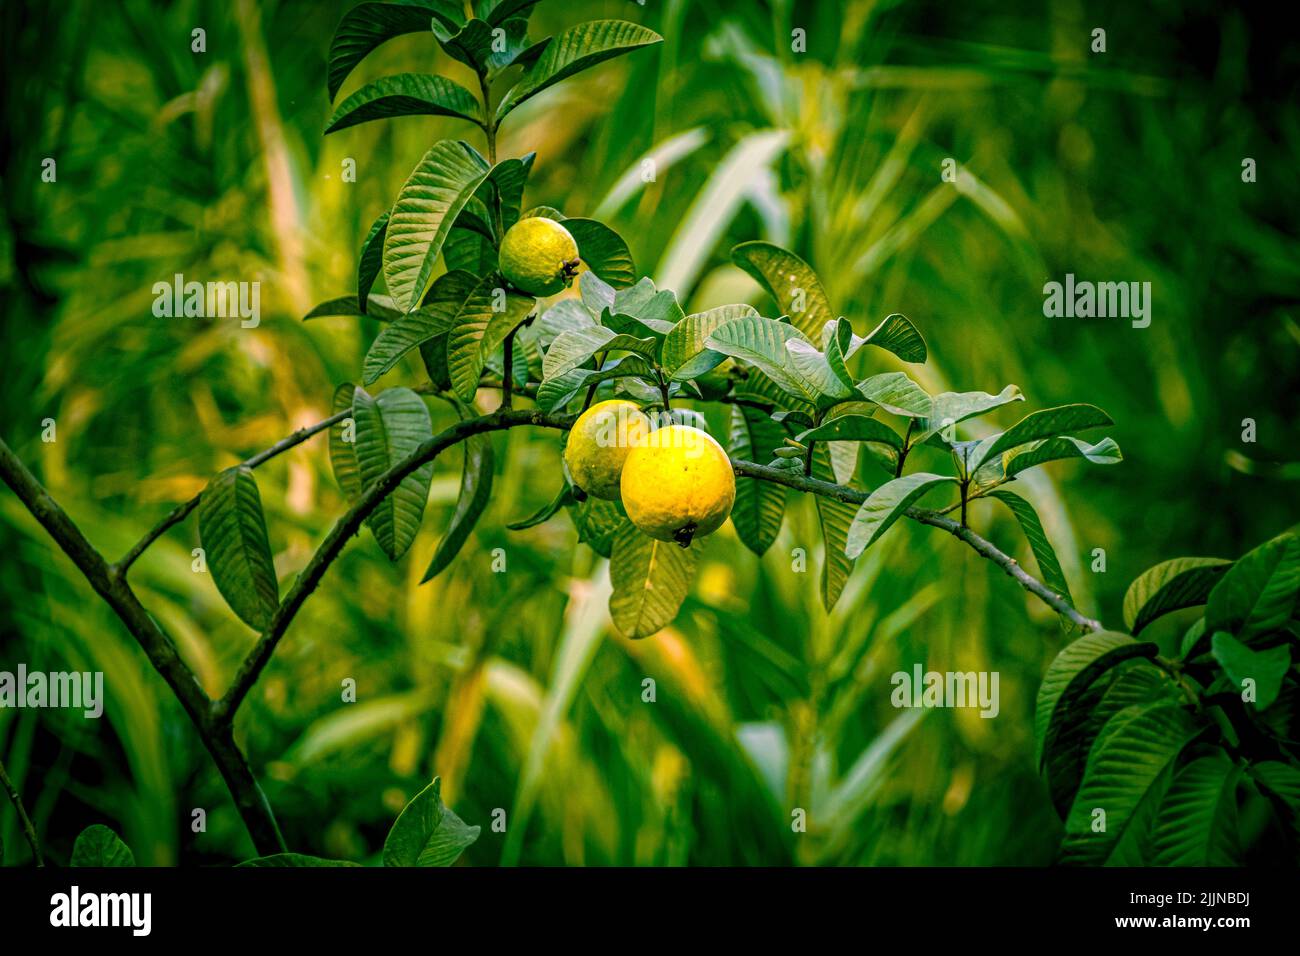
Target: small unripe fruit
x=538, y=256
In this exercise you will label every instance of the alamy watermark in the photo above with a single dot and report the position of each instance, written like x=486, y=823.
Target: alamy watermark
x=947, y=689
x=1102, y=300
x=209, y=300
x=74, y=908
x=76, y=689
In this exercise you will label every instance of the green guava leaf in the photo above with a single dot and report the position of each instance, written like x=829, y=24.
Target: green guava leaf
x=390, y=428
x=97, y=845
x=603, y=251
x=760, y=505
x=342, y=445
x=232, y=530
x=406, y=94
x=651, y=579
x=790, y=281
x=1170, y=586
x=426, y=208
x=367, y=25
x=428, y=833
x=576, y=49
x=886, y=505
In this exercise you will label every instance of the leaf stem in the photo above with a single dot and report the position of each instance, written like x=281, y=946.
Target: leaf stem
x=489, y=127
x=902, y=452
x=508, y=370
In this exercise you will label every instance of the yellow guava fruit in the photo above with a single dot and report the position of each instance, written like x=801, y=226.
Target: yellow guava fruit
x=599, y=443
x=538, y=256
x=678, y=484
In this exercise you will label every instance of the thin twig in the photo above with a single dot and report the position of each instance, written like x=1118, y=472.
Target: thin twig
x=934, y=519
x=24, y=820
x=182, y=511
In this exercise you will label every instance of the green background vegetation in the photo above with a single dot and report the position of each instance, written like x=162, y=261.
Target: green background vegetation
x=1120, y=166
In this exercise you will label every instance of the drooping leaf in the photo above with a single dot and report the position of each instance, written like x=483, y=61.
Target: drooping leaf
x=562, y=316
x=603, y=251
x=343, y=453
x=367, y=25
x=835, y=518
x=1071, y=672
x=379, y=307
x=853, y=427
x=1170, y=586
x=599, y=522
x=1134, y=751
x=1036, y=426
x=426, y=208
x=949, y=408
x=1044, y=553
x=232, y=530
x=1280, y=782
x=1258, y=594
x=896, y=393
x=760, y=505
x=449, y=294
x=98, y=845
x=886, y=505
x=293, y=860
x=790, y=281
x=651, y=578
x=389, y=429
x=1264, y=669
x=1105, y=452
x=762, y=342
x=1133, y=681
x=427, y=832
x=498, y=11
x=655, y=310
x=685, y=355
x=467, y=251
x=562, y=499
x=479, y=329
x=813, y=367
x=504, y=187
x=839, y=343
x=555, y=392
x=475, y=493
x=899, y=336
x=484, y=47
x=371, y=259
x=406, y=94
x=576, y=49
x=576, y=347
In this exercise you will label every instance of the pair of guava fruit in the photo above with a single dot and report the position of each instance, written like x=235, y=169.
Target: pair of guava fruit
x=676, y=482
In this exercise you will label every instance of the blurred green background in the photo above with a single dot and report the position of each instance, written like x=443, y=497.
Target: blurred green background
x=1117, y=166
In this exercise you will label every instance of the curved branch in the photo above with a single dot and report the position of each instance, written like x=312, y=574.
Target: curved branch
x=348, y=525
x=182, y=511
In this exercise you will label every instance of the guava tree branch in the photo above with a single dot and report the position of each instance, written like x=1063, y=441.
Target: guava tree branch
x=982, y=546
x=29, y=831
x=111, y=585
x=350, y=524
x=214, y=719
